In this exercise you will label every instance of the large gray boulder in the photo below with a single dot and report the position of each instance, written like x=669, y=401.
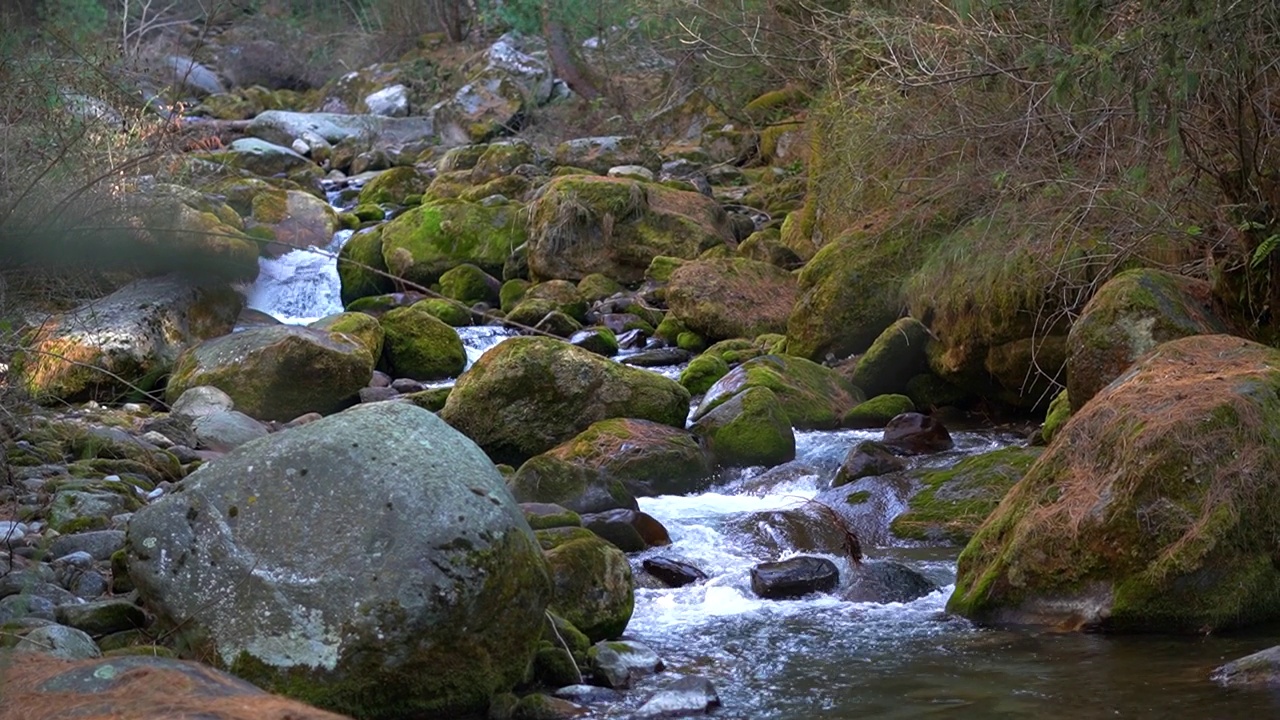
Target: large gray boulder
x=371, y=562
x=106, y=348
x=362, y=131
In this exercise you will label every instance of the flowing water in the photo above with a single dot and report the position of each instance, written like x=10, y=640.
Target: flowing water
x=823, y=657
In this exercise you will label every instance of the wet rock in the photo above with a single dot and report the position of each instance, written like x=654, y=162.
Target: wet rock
x=600, y=341
x=673, y=573
x=868, y=458
x=813, y=396
x=620, y=663
x=1261, y=669
x=916, y=434
x=102, y=617
x=685, y=697
x=751, y=428
x=630, y=530
x=658, y=357
x=407, y=386
x=593, y=586
x=545, y=707
x=886, y=581
x=140, y=687
x=542, y=516
x=794, y=577
x=300, y=513
x=227, y=430
x=588, y=694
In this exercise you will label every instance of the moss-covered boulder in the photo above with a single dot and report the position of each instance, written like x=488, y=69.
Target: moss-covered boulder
x=645, y=457
x=876, y=412
x=123, y=343
x=850, y=292
x=702, y=372
x=596, y=287
x=262, y=565
x=766, y=246
x=592, y=587
x=813, y=396
x=183, y=230
x=420, y=346
x=361, y=269
x=361, y=327
x=895, y=357
x=469, y=284
x=582, y=225
x=277, y=372
x=1153, y=509
x=563, y=294
x=581, y=488
x=731, y=297
x=290, y=219
x=954, y=502
x=529, y=394
x=751, y=428
x=1128, y=316
x=449, y=312
x=423, y=243
x=500, y=159
x=394, y=185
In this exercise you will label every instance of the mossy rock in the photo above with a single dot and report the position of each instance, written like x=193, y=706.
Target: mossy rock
x=813, y=396
x=449, y=185
x=599, y=340
x=359, y=326
x=542, y=516
x=369, y=213
x=735, y=351
x=751, y=428
x=592, y=587
x=449, y=312
x=928, y=391
x=460, y=158
x=1059, y=413
x=564, y=294
x=669, y=329
x=393, y=186
x=559, y=324
x=955, y=501
x=361, y=269
x=501, y=158
x=530, y=311
x=432, y=399
x=1026, y=372
x=702, y=372
x=469, y=285
x=691, y=341
x=512, y=187
x=877, y=412
x=529, y=394
x=511, y=293
x=731, y=297
x=420, y=245
x=1153, y=508
x=583, y=225
x=599, y=154
x=851, y=291
x=661, y=267
x=895, y=357
x=1128, y=316
x=766, y=246
x=260, y=369
x=596, y=287
x=420, y=346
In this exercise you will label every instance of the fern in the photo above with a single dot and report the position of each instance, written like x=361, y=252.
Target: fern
x=1264, y=250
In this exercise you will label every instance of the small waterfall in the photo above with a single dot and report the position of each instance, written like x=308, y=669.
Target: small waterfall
x=300, y=286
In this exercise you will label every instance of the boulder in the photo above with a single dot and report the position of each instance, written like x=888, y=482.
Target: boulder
x=227, y=430
x=260, y=157
x=813, y=396
x=955, y=501
x=262, y=564
x=622, y=662
x=673, y=573
x=703, y=372
x=1259, y=670
x=199, y=401
x=886, y=581
x=420, y=346
x=360, y=327
x=731, y=297
x=420, y=245
x=895, y=357
x=125, y=342
x=1150, y=510
x=528, y=394
x=794, y=577
x=581, y=224
x=600, y=154
x=593, y=587
x=1128, y=316
x=138, y=687
x=631, y=530
x=493, y=102
x=179, y=229
x=277, y=372
x=750, y=428
x=394, y=185
x=469, y=285
x=867, y=459
x=916, y=434
x=362, y=132
x=876, y=412
x=686, y=696
x=390, y=101
x=361, y=268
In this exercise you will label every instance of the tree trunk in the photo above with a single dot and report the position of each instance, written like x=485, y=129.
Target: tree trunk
x=563, y=59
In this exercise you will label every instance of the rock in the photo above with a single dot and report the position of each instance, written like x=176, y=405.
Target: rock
x=955, y=501
x=453, y=550
x=201, y=400
x=1057, y=416
x=423, y=243
x=813, y=396
x=389, y=102
x=185, y=231
x=794, y=577
x=393, y=186
x=1132, y=313
x=916, y=434
x=896, y=356
x=688, y=696
x=227, y=430
x=491, y=103
x=58, y=641
x=658, y=357
x=703, y=372
x=632, y=172
x=886, y=581
x=751, y=428
x=1147, y=511
x=599, y=154
x=599, y=340
x=630, y=530
x=867, y=459
x=548, y=479
x=593, y=587
x=26, y=606
x=372, y=394
x=361, y=267
x=582, y=224
x=877, y=412
x=187, y=74
x=541, y=516
x=99, y=544
x=260, y=369
x=129, y=339
x=766, y=246
x=1261, y=669
x=361, y=132
x=544, y=707
x=420, y=347
x=731, y=297
x=260, y=157
x=360, y=327
x=469, y=284
x=589, y=694
x=622, y=662
x=528, y=394
x=139, y=687
x=102, y=617
x=673, y=573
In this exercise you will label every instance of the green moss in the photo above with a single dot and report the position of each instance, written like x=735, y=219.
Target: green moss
x=393, y=186
x=1059, y=413
x=449, y=312
x=702, y=372
x=361, y=269
x=661, y=267
x=420, y=346
x=564, y=294
x=511, y=293
x=432, y=399
x=596, y=287
x=954, y=502
x=428, y=240
x=858, y=497
x=469, y=284
x=877, y=412
x=594, y=588
x=752, y=428
x=363, y=328
x=814, y=397
x=691, y=341
x=368, y=213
